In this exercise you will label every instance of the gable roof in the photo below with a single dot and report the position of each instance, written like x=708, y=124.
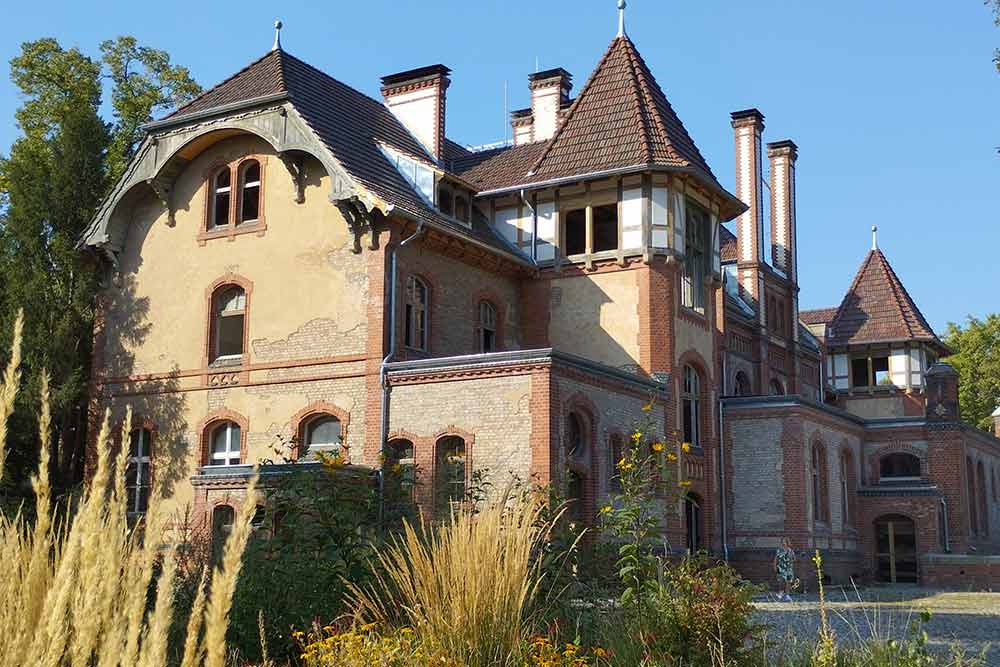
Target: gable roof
x=621, y=120
x=878, y=309
x=350, y=125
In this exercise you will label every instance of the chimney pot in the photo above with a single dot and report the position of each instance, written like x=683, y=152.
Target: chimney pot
x=748, y=126
x=549, y=93
x=783, y=155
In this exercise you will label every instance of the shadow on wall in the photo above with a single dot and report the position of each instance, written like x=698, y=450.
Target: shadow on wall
x=579, y=325
x=156, y=401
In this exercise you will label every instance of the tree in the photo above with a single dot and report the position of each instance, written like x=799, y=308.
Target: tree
x=977, y=360
x=995, y=4
x=51, y=184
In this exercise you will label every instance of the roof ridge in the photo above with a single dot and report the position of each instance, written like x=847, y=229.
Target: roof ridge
x=906, y=298
x=641, y=70
x=850, y=290
x=573, y=107
x=178, y=111
x=638, y=101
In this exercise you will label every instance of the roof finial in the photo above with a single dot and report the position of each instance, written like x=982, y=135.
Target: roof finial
x=874, y=237
x=277, y=35
x=621, y=18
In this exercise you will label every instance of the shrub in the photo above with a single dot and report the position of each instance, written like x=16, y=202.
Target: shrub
x=467, y=587
x=89, y=589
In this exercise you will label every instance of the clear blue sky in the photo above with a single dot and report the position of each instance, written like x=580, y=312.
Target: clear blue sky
x=895, y=104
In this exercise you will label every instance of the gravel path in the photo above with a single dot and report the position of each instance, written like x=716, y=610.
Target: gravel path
x=972, y=619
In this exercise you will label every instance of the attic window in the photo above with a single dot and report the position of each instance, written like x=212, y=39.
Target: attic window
x=445, y=200
x=603, y=233
x=576, y=232
x=462, y=208
x=419, y=177
x=870, y=371
x=606, y=228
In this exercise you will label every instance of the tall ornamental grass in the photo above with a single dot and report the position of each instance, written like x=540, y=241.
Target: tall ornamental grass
x=89, y=590
x=467, y=587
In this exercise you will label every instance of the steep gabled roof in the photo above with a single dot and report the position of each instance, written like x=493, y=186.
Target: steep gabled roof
x=348, y=123
x=727, y=245
x=878, y=309
x=620, y=120
x=817, y=315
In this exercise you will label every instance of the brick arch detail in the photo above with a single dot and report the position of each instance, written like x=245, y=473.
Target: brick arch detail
x=590, y=469
x=448, y=431
x=694, y=359
x=821, y=505
x=301, y=418
x=224, y=281
x=430, y=310
x=874, y=459
x=491, y=298
x=206, y=425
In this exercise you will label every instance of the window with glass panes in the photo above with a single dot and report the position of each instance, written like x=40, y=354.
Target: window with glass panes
x=691, y=406
x=322, y=434
x=229, y=313
x=487, y=327
x=137, y=474
x=225, y=445
x=695, y=256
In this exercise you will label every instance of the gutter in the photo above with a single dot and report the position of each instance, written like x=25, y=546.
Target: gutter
x=385, y=364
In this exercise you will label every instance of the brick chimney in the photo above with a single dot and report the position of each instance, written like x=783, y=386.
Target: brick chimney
x=942, y=393
x=417, y=98
x=783, y=155
x=549, y=91
x=749, y=126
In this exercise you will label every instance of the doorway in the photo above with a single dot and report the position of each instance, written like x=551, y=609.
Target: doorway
x=895, y=550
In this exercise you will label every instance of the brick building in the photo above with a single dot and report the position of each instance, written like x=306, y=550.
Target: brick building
x=294, y=266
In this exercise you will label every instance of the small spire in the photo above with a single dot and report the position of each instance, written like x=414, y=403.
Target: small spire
x=277, y=35
x=621, y=18
x=874, y=237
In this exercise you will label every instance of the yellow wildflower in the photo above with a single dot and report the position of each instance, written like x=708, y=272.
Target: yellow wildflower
x=397, y=468
x=657, y=446
x=647, y=407
x=606, y=509
x=686, y=447
x=685, y=483
x=637, y=436
x=599, y=652
x=671, y=456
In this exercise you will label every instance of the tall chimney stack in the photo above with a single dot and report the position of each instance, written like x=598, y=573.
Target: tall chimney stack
x=417, y=98
x=549, y=90
x=783, y=155
x=749, y=126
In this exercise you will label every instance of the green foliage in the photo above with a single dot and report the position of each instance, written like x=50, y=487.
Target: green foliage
x=51, y=184
x=315, y=534
x=977, y=360
x=143, y=82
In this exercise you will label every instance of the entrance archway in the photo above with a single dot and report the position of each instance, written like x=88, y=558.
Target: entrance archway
x=895, y=549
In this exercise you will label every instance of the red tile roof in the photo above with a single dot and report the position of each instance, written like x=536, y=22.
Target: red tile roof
x=727, y=245
x=621, y=119
x=817, y=315
x=878, y=309
x=351, y=125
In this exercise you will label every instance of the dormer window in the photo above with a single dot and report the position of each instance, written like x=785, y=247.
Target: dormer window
x=249, y=192
x=445, y=201
x=462, y=208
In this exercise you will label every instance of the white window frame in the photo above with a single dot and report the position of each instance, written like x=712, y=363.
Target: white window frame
x=142, y=459
x=245, y=185
x=219, y=311
x=330, y=447
x=216, y=191
x=225, y=456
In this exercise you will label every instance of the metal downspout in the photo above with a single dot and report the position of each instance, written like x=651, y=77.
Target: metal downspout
x=383, y=370
x=722, y=467
x=947, y=532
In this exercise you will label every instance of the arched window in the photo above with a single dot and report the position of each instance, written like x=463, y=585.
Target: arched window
x=399, y=455
x=487, y=327
x=321, y=433
x=221, y=196
x=821, y=507
x=984, y=514
x=970, y=474
x=742, y=383
x=415, y=326
x=848, y=487
x=693, y=522
x=223, y=519
x=899, y=465
x=249, y=192
x=616, y=452
x=137, y=474
x=229, y=306
x=450, y=473
x=691, y=406
x=225, y=441
x=776, y=388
